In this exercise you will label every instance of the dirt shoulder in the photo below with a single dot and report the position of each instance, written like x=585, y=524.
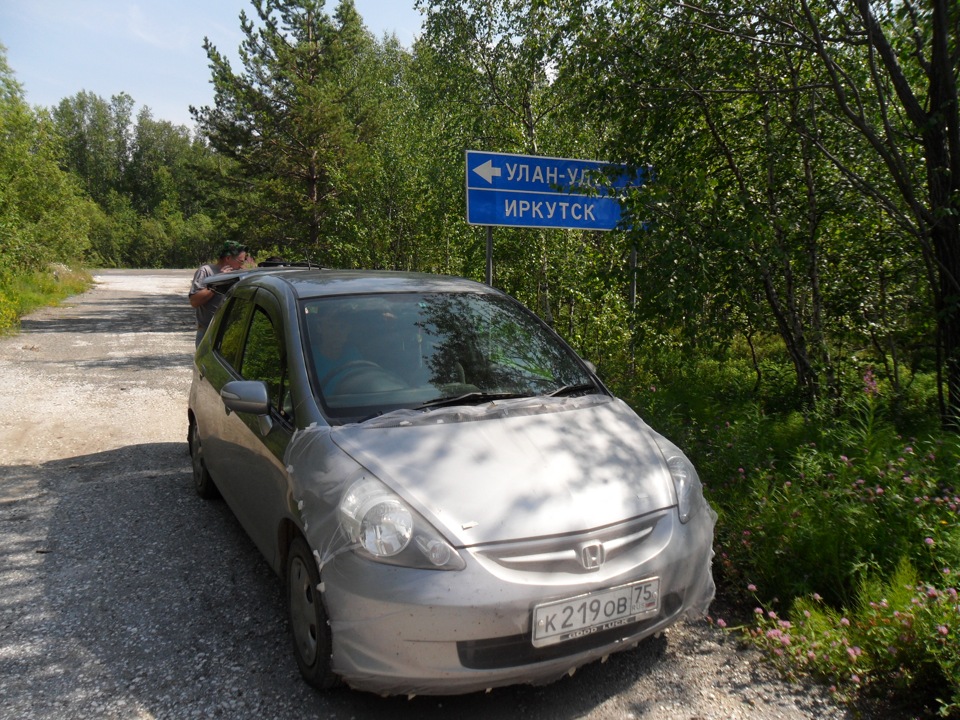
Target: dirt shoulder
x=123, y=595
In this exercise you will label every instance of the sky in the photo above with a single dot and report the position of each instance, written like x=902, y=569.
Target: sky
x=150, y=49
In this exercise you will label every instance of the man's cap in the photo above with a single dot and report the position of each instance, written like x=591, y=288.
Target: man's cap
x=231, y=248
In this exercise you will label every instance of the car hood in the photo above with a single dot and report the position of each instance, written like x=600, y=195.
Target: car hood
x=511, y=471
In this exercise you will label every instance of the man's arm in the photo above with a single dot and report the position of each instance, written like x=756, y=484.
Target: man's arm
x=201, y=297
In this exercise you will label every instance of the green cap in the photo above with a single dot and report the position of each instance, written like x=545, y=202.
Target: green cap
x=231, y=248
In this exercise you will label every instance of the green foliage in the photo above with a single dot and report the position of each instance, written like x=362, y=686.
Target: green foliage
x=836, y=517
x=146, y=179
x=9, y=311
x=24, y=292
x=852, y=496
x=782, y=207
x=95, y=140
x=42, y=212
x=820, y=510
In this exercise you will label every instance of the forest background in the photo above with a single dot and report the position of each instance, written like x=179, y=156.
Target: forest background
x=782, y=301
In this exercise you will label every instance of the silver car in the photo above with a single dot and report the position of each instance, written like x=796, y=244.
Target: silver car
x=451, y=497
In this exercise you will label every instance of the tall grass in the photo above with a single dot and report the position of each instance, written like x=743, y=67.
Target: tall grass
x=22, y=293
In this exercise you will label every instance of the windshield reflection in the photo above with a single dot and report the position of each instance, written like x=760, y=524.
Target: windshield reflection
x=373, y=354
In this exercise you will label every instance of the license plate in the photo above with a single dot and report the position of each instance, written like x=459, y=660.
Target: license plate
x=562, y=620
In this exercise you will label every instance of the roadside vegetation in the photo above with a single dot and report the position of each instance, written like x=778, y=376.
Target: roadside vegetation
x=781, y=302
x=837, y=543
x=23, y=293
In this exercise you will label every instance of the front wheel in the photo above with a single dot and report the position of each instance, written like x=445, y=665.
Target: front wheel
x=308, y=618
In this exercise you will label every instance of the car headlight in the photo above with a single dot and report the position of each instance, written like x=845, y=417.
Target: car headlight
x=686, y=481
x=387, y=530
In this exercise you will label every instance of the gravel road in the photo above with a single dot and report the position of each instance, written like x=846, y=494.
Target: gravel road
x=124, y=595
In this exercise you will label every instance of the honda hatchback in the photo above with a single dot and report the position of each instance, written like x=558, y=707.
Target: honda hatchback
x=452, y=498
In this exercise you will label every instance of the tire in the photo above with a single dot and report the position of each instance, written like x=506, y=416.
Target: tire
x=202, y=482
x=309, y=627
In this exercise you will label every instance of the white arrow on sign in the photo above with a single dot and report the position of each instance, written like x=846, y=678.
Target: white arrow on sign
x=487, y=171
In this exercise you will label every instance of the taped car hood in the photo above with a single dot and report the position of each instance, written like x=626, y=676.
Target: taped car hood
x=510, y=471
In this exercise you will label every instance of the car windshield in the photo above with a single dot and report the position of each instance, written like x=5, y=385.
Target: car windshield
x=373, y=354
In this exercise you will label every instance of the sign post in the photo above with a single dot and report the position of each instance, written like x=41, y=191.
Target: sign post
x=544, y=192
x=532, y=191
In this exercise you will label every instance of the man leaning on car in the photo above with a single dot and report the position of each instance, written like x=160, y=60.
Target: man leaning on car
x=205, y=300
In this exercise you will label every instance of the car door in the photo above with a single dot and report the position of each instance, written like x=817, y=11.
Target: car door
x=215, y=368
x=250, y=472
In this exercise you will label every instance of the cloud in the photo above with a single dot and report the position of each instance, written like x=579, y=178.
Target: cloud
x=161, y=28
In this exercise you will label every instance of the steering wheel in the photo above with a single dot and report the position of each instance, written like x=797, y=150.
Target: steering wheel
x=348, y=368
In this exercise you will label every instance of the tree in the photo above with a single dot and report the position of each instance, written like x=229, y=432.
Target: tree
x=910, y=119
x=162, y=166
x=96, y=140
x=288, y=123
x=44, y=215
x=146, y=177
x=785, y=147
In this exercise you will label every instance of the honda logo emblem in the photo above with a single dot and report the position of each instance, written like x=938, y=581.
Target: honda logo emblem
x=592, y=555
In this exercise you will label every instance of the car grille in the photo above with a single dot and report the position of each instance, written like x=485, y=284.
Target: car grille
x=517, y=650
x=621, y=545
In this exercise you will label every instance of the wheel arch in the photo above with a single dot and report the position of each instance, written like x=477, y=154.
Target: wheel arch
x=191, y=423
x=286, y=534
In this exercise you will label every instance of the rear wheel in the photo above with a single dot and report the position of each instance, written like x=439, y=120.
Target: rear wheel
x=202, y=482
x=308, y=618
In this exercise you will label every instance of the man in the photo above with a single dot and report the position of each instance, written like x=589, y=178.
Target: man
x=205, y=300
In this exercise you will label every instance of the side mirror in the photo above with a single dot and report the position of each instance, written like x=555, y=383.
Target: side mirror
x=246, y=396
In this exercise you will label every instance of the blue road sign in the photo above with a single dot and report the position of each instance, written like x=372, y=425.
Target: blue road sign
x=544, y=192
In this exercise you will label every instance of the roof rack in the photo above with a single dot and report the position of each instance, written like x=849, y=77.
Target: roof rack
x=278, y=262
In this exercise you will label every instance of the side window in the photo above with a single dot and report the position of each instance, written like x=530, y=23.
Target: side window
x=232, y=330
x=263, y=359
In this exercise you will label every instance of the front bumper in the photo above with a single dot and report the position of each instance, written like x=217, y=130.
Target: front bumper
x=402, y=631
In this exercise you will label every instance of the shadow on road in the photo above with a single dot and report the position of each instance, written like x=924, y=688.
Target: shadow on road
x=157, y=313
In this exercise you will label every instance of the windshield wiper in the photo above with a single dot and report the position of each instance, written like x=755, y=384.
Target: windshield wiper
x=572, y=389
x=470, y=398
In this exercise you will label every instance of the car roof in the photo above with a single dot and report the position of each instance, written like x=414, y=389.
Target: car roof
x=316, y=282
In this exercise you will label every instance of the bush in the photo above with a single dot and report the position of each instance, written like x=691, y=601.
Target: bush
x=853, y=531
x=901, y=637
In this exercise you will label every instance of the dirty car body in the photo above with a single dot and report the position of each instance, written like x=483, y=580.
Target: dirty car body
x=453, y=499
